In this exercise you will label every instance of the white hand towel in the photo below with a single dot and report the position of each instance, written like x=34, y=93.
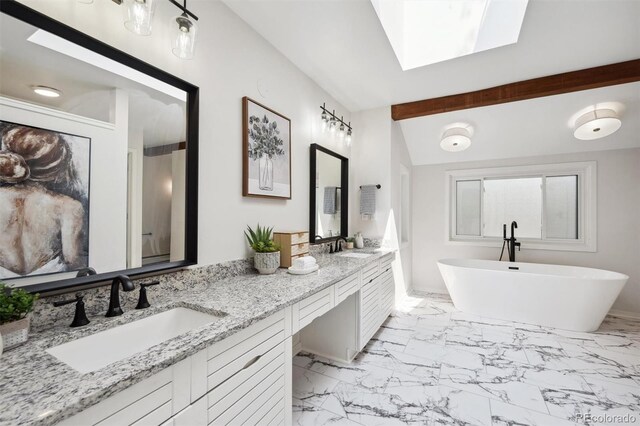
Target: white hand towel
x=305, y=262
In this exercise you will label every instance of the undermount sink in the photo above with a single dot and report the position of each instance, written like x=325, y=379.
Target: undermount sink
x=356, y=255
x=98, y=350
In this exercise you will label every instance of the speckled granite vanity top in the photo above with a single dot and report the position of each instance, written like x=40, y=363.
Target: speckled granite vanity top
x=36, y=388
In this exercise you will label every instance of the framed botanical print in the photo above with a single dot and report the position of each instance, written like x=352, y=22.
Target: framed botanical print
x=266, y=152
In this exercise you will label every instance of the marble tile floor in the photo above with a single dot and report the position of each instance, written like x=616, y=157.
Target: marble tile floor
x=430, y=364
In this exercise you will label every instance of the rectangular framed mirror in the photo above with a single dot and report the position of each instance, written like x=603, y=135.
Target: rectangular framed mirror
x=98, y=159
x=328, y=195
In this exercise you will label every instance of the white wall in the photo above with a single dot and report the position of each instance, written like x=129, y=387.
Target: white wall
x=379, y=155
x=231, y=61
x=371, y=165
x=618, y=240
x=401, y=163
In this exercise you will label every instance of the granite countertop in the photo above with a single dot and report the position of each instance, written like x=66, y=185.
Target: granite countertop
x=38, y=389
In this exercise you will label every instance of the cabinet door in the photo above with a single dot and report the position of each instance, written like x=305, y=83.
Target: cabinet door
x=193, y=415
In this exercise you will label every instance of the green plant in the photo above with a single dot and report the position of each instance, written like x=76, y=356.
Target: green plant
x=260, y=239
x=351, y=240
x=15, y=303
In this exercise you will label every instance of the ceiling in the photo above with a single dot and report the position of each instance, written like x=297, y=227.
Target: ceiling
x=341, y=45
x=86, y=89
x=540, y=126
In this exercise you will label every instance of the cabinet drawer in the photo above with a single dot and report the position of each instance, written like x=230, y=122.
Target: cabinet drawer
x=315, y=305
x=300, y=248
x=238, y=352
x=299, y=237
x=237, y=400
x=369, y=272
x=347, y=287
x=385, y=264
x=131, y=405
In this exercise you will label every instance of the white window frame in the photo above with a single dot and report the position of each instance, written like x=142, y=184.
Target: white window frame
x=587, y=205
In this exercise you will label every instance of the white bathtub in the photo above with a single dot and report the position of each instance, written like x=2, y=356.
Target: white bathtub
x=567, y=297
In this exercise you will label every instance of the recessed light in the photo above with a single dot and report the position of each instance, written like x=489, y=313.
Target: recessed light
x=456, y=139
x=596, y=124
x=48, y=92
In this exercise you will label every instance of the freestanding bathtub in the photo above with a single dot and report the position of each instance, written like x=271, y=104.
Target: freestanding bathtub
x=567, y=297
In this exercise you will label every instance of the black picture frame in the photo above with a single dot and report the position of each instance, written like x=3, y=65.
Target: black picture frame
x=344, y=196
x=23, y=13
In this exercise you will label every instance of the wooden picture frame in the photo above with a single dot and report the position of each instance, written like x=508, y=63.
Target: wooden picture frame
x=266, y=152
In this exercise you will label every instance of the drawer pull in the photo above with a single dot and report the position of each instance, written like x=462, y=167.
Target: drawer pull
x=252, y=361
x=371, y=280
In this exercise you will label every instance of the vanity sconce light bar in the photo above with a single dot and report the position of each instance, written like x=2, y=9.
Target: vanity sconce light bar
x=331, y=119
x=175, y=3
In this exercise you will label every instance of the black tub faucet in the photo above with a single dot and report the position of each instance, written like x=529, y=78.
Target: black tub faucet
x=114, y=301
x=511, y=242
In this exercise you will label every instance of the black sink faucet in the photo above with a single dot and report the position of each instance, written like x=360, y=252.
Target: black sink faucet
x=511, y=242
x=114, y=301
x=339, y=244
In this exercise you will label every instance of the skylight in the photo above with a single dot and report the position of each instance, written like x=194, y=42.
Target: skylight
x=424, y=32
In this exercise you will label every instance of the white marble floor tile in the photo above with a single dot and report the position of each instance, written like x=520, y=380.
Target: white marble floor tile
x=503, y=414
x=311, y=387
x=440, y=353
x=367, y=376
x=504, y=386
x=306, y=414
x=432, y=365
x=372, y=408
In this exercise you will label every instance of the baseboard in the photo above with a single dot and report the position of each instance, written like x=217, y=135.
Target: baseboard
x=425, y=291
x=624, y=314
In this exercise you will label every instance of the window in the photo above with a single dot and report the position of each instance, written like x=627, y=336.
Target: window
x=553, y=204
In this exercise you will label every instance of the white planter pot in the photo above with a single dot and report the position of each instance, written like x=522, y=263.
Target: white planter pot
x=15, y=333
x=267, y=263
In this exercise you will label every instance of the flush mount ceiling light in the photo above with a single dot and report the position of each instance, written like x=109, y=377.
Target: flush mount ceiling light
x=596, y=124
x=45, y=91
x=426, y=32
x=456, y=139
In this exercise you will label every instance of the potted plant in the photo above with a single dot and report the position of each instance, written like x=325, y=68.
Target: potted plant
x=267, y=252
x=350, y=242
x=15, y=306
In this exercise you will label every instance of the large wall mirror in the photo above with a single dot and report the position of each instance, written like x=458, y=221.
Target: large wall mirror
x=329, y=195
x=98, y=159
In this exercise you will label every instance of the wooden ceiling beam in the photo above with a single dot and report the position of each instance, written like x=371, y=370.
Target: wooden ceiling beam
x=590, y=78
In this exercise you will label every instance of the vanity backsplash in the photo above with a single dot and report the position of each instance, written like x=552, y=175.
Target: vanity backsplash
x=96, y=300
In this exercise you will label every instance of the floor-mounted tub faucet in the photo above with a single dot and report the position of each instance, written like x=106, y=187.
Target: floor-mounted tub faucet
x=511, y=242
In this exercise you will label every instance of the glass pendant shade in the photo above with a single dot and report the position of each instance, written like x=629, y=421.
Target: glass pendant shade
x=138, y=15
x=184, y=36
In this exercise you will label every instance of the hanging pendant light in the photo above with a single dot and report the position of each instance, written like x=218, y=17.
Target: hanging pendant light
x=138, y=16
x=184, y=35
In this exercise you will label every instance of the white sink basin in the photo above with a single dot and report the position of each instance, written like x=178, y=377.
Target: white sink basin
x=356, y=255
x=94, y=352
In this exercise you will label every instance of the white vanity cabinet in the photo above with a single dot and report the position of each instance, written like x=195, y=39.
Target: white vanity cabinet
x=245, y=378
x=377, y=298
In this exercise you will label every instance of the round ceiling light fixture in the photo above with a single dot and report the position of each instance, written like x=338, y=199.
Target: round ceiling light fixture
x=596, y=124
x=45, y=91
x=456, y=139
